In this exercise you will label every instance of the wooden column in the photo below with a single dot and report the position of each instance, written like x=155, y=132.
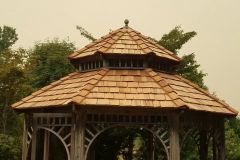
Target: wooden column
x=174, y=137
x=34, y=139
x=79, y=135
x=25, y=138
x=73, y=129
x=203, y=144
x=46, y=145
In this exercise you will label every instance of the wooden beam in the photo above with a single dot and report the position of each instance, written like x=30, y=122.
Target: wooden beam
x=82, y=133
x=25, y=138
x=34, y=139
x=73, y=130
x=79, y=135
x=174, y=136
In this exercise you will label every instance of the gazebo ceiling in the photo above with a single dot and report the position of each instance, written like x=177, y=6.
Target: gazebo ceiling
x=125, y=88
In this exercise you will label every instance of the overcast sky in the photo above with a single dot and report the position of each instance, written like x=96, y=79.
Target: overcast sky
x=217, y=22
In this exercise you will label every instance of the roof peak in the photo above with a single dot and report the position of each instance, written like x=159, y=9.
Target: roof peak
x=126, y=22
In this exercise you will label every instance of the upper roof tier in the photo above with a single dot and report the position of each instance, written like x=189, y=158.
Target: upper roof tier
x=124, y=41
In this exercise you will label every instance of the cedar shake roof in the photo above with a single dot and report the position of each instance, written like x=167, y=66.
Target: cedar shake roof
x=137, y=86
x=125, y=88
x=124, y=41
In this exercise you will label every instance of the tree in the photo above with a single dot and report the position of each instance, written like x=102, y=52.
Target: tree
x=189, y=69
x=232, y=141
x=50, y=61
x=85, y=33
x=175, y=39
x=10, y=148
x=8, y=37
x=13, y=86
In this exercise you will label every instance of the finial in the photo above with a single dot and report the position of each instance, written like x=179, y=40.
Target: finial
x=126, y=21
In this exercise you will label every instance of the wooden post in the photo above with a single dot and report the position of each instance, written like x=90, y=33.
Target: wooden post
x=73, y=129
x=203, y=145
x=79, y=135
x=25, y=138
x=174, y=137
x=34, y=139
x=46, y=145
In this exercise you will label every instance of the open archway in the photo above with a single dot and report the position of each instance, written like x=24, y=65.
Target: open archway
x=51, y=145
x=125, y=143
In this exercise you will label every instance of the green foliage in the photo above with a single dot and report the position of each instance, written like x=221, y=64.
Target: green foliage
x=232, y=141
x=85, y=33
x=189, y=69
x=13, y=86
x=121, y=144
x=175, y=39
x=8, y=37
x=10, y=147
x=234, y=123
x=189, y=150
x=50, y=61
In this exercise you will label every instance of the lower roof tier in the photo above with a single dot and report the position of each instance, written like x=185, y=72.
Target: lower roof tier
x=125, y=88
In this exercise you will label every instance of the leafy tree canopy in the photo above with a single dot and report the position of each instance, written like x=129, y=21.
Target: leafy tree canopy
x=232, y=140
x=10, y=148
x=13, y=86
x=8, y=37
x=188, y=68
x=50, y=61
x=85, y=33
x=175, y=39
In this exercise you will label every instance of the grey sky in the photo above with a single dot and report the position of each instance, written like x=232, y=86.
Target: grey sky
x=217, y=23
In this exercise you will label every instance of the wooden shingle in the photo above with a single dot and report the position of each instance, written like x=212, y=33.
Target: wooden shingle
x=132, y=88
x=124, y=41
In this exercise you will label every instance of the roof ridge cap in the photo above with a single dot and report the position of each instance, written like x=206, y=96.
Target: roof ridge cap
x=41, y=90
x=78, y=98
x=180, y=102
x=207, y=93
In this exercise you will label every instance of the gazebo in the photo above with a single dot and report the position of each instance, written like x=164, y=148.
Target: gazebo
x=123, y=79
